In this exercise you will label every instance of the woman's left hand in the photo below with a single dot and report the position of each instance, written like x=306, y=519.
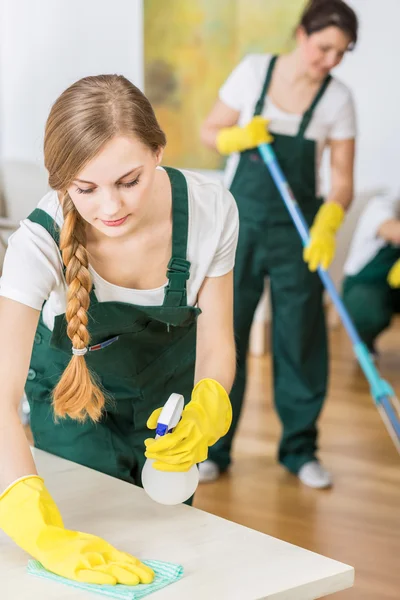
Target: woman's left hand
x=320, y=251
x=205, y=419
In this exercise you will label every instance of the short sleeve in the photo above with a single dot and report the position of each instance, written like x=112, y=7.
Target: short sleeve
x=366, y=242
x=380, y=209
x=234, y=91
x=344, y=125
x=32, y=266
x=224, y=258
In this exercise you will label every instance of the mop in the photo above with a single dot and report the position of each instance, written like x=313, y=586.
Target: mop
x=382, y=393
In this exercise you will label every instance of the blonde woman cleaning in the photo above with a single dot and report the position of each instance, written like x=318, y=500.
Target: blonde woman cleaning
x=308, y=109
x=116, y=292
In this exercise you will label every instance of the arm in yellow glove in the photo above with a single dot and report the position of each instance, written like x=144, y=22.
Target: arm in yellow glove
x=322, y=246
x=394, y=275
x=205, y=419
x=29, y=515
x=238, y=139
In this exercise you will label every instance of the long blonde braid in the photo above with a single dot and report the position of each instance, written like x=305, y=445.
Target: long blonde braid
x=76, y=395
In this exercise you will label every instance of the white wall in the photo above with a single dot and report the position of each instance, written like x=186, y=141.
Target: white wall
x=371, y=71
x=45, y=45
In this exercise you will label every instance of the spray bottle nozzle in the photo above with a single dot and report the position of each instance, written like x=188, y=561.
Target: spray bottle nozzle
x=161, y=429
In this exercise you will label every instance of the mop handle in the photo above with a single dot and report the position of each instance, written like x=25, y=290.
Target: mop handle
x=380, y=389
x=281, y=182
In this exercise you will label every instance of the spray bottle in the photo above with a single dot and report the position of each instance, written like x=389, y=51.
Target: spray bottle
x=169, y=487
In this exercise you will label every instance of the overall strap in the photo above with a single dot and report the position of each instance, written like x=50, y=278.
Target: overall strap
x=264, y=91
x=42, y=218
x=178, y=267
x=309, y=113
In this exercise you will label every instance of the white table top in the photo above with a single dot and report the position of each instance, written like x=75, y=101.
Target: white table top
x=221, y=560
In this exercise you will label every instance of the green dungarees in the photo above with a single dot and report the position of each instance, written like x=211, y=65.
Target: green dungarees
x=269, y=245
x=141, y=354
x=369, y=298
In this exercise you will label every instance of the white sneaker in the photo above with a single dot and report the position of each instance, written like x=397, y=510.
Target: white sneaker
x=315, y=475
x=208, y=471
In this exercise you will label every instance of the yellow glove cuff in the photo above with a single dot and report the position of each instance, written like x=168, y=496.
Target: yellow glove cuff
x=221, y=405
x=238, y=139
x=329, y=217
x=15, y=483
x=228, y=140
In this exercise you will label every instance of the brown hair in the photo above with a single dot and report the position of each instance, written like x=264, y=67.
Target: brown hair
x=82, y=120
x=320, y=14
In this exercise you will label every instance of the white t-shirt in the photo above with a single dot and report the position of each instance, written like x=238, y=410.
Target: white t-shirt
x=33, y=270
x=333, y=118
x=366, y=242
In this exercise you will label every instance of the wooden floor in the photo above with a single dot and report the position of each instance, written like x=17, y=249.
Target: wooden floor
x=358, y=521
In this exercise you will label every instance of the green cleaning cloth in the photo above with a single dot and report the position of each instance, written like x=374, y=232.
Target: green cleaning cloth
x=165, y=573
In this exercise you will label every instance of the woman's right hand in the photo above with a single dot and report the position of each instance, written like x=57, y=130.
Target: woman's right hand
x=239, y=139
x=29, y=516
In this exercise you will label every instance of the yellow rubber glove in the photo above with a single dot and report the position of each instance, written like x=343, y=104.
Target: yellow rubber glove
x=394, y=275
x=238, y=139
x=29, y=515
x=205, y=419
x=321, y=249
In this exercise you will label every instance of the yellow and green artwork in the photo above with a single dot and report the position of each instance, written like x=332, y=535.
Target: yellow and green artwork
x=190, y=47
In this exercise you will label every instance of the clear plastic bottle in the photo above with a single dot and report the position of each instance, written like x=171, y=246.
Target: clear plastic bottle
x=166, y=487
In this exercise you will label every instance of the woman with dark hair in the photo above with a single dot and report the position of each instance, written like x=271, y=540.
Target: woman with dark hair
x=307, y=110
